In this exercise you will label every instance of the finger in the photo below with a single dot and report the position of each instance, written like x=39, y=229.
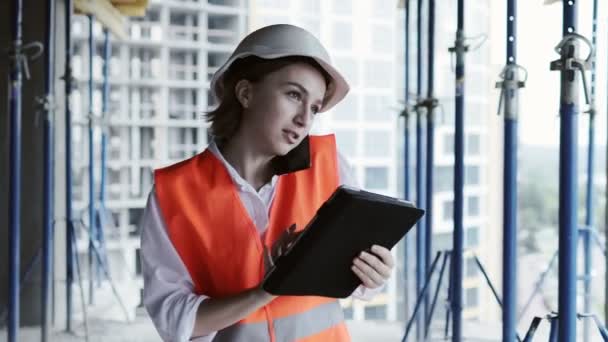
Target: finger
x=369, y=271
x=365, y=279
x=376, y=264
x=384, y=254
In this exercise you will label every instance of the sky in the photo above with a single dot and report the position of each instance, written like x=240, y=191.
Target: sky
x=539, y=31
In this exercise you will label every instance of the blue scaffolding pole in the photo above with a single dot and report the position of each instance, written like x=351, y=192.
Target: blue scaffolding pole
x=429, y=104
x=406, y=153
x=421, y=269
x=456, y=301
x=568, y=234
x=49, y=118
x=101, y=210
x=68, y=165
x=92, y=264
x=510, y=86
x=16, y=82
x=588, y=256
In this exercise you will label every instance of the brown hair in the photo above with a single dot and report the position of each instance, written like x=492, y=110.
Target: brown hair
x=226, y=118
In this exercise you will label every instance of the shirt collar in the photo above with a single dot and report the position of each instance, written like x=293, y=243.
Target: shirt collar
x=236, y=178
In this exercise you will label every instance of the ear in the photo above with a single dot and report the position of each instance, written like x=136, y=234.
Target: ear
x=242, y=91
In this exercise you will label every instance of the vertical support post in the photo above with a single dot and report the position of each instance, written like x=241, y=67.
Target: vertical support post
x=406, y=155
x=588, y=256
x=510, y=93
x=92, y=234
x=420, y=195
x=456, y=302
x=16, y=81
x=105, y=97
x=68, y=165
x=430, y=139
x=568, y=181
x=49, y=112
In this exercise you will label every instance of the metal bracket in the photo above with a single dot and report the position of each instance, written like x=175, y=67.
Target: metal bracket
x=21, y=54
x=511, y=81
x=46, y=104
x=570, y=63
x=429, y=104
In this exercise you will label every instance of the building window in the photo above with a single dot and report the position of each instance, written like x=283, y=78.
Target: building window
x=448, y=144
x=377, y=144
x=347, y=142
x=377, y=312
x=348, y=313
x=350, y=69
x=444, y=178
x=384, y=10
x=448, y=210
x=342, y=7
x=471, y=267
x=472, y=237
x=347, y=110
x=376, y=178
x=473, y=206
x=378, y=74
x=343, y=35
x=472, y=175
x=312, y=6
x=274, y=4
x=471, y=297
x=473, y=144
x=381, y=39
x=377, y=109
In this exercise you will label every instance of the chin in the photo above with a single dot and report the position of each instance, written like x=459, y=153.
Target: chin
x=282, y=149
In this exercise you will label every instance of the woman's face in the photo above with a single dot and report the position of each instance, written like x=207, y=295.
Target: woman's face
x=281, y=108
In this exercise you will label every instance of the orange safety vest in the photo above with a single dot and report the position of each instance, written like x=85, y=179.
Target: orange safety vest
x=224, y=252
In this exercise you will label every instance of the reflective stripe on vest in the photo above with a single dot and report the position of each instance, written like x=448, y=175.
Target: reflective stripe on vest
x=288, y=328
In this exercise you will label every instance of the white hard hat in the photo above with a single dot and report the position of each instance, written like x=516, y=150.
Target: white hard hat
x=284, y=40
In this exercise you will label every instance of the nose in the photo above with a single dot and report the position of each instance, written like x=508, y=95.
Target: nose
x=304, y=118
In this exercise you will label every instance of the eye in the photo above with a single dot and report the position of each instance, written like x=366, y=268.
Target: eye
x=295, y=95
x=315, y=109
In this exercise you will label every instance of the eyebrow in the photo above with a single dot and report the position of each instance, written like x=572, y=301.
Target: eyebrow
x=298, y=85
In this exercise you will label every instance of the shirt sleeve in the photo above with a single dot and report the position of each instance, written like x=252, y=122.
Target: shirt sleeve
x=347, y=177
x=168, y=287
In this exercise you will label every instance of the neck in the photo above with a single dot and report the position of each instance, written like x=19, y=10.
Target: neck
x=248, y=160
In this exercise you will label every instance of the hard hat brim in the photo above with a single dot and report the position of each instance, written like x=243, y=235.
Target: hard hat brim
x=336, y=89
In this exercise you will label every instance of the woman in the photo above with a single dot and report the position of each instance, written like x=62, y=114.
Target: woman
x=214, y=223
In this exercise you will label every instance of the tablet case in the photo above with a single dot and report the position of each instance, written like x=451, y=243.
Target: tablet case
x=350, y=221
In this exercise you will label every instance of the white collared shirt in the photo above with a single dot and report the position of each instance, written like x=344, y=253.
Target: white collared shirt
x=168, y=287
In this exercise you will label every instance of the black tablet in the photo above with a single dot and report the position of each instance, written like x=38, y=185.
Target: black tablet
x=350, y=221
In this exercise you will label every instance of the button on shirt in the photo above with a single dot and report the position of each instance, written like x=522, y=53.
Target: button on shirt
x=168, y=287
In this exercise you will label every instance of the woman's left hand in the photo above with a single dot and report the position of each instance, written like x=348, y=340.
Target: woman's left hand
x=374, y=269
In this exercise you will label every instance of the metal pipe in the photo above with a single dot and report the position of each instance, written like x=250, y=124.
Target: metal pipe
x=509, y=310
x=419, y=301
x=105, y=96
x=429, y=320
x=16, y=77
x=568, y=182
x=456, y=302
x=420, y=195
x=68, y=164
x=92, y=263
x=430, y=135
x=48, y=233
x=588, y=256
x=406, y=154
x=606, y=234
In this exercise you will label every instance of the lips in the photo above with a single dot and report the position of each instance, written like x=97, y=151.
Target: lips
x=291, y=136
